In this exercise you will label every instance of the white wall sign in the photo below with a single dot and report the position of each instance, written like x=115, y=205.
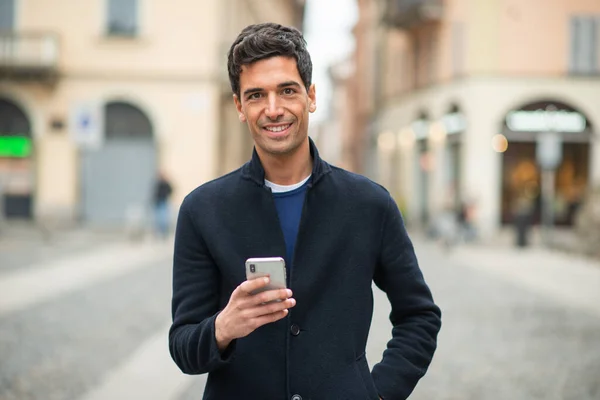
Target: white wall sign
x=86, y=124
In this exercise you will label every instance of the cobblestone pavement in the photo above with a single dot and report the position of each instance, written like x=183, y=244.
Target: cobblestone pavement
x=504, y=336
x=61, y=348
x=58, y=349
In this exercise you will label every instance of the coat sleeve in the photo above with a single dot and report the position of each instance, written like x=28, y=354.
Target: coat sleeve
x=415, y=318
x=195, y=303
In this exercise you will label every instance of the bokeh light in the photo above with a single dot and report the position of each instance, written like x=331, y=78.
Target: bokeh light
x=499, y=143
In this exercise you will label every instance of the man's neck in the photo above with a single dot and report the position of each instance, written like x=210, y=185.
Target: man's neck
x=287, y=169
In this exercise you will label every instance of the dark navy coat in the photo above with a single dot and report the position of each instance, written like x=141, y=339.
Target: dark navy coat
x=351, y=234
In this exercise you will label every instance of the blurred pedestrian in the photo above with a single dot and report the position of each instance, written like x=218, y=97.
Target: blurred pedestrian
x=337, y=232
x=466, y=221
x=522, y=215
x=162, y=192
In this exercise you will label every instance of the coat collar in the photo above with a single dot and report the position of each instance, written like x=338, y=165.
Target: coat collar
x=254, y=170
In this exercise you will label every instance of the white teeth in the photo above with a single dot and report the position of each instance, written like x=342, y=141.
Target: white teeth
x=277, y=128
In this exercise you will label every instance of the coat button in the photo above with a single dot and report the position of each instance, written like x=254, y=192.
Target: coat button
x=296, y=397
x=295, y=330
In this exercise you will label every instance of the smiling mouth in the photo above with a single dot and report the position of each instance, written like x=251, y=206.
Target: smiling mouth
x=277, y=129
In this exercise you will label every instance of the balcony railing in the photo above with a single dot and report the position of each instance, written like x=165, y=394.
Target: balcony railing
x=404, y=14
x=29, y=56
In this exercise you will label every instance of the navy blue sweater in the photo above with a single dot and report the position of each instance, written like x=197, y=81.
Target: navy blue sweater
x=351, y=234
x=289, y=210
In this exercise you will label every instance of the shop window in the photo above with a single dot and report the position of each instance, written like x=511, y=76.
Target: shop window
x=16, y=168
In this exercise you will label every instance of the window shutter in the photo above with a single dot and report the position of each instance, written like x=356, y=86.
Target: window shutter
x=594, y=43
x=458, y=48
x=574, y=64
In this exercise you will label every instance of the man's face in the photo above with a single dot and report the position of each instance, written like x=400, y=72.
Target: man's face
x=275, y=104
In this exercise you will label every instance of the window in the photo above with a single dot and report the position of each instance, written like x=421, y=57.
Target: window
x=7, y=15
x=122, y=17
x=584, y=33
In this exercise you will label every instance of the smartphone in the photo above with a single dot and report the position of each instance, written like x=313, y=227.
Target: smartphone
x=273, y=267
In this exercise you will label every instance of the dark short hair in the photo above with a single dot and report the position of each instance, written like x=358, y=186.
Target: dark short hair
x=261, y=41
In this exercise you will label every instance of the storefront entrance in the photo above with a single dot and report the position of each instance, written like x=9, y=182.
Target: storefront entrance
x=522, y=178
x=16, y=164
x=521, y=175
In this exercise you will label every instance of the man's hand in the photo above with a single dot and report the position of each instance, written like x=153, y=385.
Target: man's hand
x=246, y=312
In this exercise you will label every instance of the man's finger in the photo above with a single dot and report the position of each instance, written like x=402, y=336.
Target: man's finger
x=266, y=309
x=267, y=319
x=251, y=285
x=270, y=295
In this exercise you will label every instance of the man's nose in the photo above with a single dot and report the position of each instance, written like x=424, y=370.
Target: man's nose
x=274, y=109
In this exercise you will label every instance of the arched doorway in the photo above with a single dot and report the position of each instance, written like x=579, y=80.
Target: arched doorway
x=118, y=177
x=521, y=175
x=16, y=162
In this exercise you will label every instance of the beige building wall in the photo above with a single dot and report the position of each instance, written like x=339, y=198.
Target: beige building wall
x=174, y=70
x=175, y=38
x=168, y=71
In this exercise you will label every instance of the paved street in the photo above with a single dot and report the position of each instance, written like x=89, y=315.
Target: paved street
x=89, y=322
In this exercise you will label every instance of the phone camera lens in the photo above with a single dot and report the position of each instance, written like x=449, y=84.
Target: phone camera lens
x=252, y=268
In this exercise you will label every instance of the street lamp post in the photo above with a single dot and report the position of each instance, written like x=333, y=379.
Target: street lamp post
x=549, y=156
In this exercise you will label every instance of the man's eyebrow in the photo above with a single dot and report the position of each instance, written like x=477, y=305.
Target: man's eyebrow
x=288, y=83
x=252, y=90
x=279, y=86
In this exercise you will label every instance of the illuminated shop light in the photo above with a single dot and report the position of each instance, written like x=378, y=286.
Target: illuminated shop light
x=546, y=120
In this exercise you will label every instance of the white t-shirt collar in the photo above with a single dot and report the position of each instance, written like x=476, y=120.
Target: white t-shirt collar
x=275, y=188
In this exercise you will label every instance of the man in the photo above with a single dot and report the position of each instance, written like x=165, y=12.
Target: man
x=337, y=231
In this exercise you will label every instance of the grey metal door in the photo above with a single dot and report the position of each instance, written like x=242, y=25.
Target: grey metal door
x=118, y=181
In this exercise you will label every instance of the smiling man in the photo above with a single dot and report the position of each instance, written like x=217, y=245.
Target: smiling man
x=338, y=232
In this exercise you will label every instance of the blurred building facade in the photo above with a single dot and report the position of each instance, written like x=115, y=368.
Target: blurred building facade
x=453, y=95
x=332, y=134
x=97, y=96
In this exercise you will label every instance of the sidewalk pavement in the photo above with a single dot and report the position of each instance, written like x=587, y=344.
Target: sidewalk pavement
x=568, y=277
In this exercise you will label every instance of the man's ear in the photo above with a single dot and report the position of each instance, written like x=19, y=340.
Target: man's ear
x=312, y=98
x=238, y=107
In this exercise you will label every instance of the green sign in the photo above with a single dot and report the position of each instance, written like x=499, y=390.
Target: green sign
x=15, y=146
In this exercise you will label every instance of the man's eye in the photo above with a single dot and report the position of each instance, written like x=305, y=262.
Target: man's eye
x=254, y=96
x=288, y=91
